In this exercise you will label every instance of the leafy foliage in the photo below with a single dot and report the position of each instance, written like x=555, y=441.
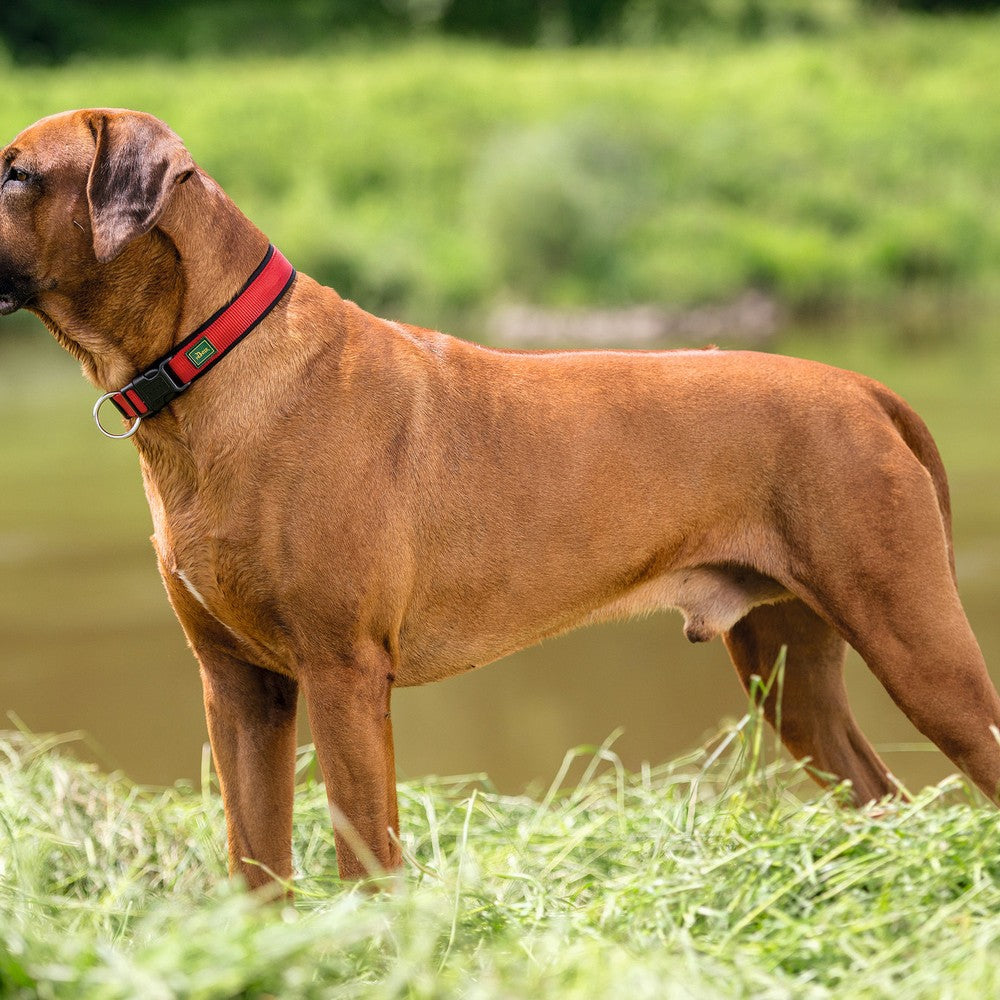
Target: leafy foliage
x=55, y=30
x=821, y=172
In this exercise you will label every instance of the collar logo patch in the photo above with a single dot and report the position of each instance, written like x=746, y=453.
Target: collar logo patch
x=199, y=353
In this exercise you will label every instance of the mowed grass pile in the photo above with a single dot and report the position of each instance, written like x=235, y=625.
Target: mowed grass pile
x=429, y=180
x=720, y=875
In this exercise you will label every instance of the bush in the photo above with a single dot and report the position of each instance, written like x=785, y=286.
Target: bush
x=821, y=170
x=556, y=205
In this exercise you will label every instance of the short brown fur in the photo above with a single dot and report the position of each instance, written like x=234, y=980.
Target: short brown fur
x=348, y=504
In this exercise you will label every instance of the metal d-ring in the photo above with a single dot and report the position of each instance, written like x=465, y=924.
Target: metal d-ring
x=107, y=433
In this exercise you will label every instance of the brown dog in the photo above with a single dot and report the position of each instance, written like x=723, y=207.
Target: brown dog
x=346, y=504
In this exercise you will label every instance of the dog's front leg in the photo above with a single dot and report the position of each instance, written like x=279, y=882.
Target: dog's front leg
x=251, y=724
x=348, y=702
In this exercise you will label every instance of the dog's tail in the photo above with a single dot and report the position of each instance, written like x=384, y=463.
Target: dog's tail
x=918, y=439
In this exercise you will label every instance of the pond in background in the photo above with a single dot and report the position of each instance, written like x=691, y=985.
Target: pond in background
x=89, y=642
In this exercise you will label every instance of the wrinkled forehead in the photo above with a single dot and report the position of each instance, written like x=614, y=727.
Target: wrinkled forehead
x=59, y=140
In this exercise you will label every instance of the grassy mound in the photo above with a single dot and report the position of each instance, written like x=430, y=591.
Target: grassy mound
x=711, y=876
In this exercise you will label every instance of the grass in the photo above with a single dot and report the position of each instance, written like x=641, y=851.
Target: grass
x=712, y=876
x=430, y=180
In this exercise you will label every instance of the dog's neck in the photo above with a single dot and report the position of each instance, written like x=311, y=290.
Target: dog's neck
x=159, y=289
x=219, y=247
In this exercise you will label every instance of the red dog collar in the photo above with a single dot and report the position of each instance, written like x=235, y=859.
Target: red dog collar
x=167, y=378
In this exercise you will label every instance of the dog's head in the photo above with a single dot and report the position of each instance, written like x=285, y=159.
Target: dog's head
x=75, y=190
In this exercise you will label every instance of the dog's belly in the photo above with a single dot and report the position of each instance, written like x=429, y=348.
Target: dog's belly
x=712, y=600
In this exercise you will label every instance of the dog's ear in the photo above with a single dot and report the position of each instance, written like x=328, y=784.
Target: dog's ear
x=136, y=166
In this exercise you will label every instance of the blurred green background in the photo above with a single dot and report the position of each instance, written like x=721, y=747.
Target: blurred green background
x=817, y=178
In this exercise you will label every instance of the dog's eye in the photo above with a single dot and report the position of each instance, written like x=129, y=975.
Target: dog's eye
x=17, y=176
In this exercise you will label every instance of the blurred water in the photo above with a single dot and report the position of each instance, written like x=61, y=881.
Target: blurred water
x=89, y=641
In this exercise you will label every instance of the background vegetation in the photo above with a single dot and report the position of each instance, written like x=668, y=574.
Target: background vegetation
x=435, y=179
x=53, y=30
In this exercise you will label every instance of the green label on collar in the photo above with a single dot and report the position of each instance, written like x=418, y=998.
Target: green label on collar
x=199, y=353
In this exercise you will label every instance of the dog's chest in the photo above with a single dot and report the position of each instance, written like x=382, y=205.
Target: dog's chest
x=235, y=614
x=217, y=588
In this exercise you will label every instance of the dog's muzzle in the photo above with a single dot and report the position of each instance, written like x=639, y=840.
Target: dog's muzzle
x=15, y=290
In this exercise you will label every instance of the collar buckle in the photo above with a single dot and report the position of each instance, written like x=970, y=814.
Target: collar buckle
x=156, y=387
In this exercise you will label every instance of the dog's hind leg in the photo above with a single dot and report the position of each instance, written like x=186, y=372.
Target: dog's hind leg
x=924, y=653
x=881, y=572
x=348, y=702
x=809, y=709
